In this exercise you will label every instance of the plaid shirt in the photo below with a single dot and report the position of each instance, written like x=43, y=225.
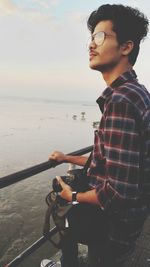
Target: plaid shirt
x=121, y=154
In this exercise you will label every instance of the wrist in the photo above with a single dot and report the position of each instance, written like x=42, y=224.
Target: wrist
x=66, y=158
x=69, y=197
x=74, y=198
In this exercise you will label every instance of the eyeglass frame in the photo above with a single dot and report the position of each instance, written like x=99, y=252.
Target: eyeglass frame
x=92, y=37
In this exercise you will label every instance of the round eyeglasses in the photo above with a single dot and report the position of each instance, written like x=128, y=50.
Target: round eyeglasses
x=98, y=38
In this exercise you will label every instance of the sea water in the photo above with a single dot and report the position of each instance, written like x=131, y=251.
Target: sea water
x=30, y=129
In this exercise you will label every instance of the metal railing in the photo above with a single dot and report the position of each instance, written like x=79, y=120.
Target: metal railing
x=24, y=174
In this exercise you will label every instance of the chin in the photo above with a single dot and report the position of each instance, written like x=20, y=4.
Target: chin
x=102, y=67
x=93, y=65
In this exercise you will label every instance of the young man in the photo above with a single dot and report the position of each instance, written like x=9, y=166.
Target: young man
x=110, y=216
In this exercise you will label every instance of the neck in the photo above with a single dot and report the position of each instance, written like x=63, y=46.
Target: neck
x=112, y=74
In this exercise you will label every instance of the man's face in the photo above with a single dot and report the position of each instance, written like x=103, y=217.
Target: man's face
x=107, y=55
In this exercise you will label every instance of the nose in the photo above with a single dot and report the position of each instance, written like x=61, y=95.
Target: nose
x=91, y=44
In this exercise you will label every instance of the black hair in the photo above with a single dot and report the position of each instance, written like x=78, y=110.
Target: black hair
x=128, y=24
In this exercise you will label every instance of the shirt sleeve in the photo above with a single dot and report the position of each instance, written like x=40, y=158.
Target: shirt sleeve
x=122, y=152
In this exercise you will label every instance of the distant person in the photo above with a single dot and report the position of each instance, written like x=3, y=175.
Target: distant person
x=111, y=215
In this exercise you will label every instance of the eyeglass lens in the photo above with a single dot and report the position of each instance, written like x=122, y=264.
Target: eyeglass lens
x=99, y=38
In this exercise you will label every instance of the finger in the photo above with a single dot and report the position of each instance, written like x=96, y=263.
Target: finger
x=51, y=157
x=59, y=179
x=53, y=153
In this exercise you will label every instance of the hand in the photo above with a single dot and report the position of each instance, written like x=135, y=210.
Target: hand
x=66, y=192
x=58, y=156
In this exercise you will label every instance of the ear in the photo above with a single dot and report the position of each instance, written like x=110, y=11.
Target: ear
x=127, y=47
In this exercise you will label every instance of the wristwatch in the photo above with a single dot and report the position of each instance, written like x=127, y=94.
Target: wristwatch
x=74, y=198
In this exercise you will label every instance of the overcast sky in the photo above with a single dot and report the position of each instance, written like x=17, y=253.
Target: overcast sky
x=43, y=49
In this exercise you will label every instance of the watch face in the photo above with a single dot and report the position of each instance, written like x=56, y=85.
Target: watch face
x=74, y=198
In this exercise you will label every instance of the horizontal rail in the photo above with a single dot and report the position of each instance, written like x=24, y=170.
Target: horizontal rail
x=31, y=249
x=26, y=173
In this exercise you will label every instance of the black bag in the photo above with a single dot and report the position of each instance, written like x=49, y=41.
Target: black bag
x=58, y=207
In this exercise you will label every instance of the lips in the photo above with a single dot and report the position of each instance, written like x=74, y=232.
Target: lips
x=92, y=54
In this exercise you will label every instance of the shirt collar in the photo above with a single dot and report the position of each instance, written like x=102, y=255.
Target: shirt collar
x=123, y=78
x=126, y=76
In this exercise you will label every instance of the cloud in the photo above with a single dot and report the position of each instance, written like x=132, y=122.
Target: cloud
x=80, y=17
x=36, y=10
x=8, y=7
x=46, y=4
